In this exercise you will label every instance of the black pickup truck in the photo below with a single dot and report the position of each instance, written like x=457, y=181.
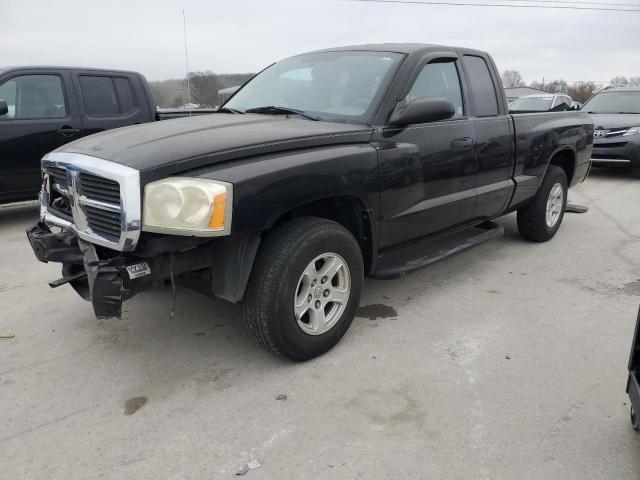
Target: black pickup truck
x=42, y=108
x=325, y=168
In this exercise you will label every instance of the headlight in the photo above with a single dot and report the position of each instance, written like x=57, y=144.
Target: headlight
x=632, y=131
x=188, y=206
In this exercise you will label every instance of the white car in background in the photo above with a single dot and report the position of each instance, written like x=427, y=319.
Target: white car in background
x=541, y=102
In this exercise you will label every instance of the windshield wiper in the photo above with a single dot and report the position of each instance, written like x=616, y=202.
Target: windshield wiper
x=273, y=110
x=229, y=110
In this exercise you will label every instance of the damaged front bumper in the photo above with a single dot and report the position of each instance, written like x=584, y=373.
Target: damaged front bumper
x=107, y=279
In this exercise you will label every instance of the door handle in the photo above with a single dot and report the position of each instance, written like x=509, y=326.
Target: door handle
x=67, y=131
x=461, y=144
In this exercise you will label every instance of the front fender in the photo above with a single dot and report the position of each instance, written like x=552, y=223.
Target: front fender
x=266, y=187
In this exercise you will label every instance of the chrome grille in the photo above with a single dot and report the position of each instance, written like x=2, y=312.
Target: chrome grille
x=103, y=221
x=58, y=191
x=616, y=133
x=97, y=199
x=99, y=188
x=58, y=176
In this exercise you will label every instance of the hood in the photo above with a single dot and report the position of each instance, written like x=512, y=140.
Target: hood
x=170, y=146
x=614, y=121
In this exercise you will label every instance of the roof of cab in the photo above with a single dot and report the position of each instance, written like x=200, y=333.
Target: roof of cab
x=58, y=68
x=543, y=95
x=404, y=48
x=621, y=89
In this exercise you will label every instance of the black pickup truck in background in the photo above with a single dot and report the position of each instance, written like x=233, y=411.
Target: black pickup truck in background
x=42, y=108
x=325, y=168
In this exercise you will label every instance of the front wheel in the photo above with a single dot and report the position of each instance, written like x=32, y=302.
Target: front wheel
x=540, y=220
x=635, y=422
x=305, y=288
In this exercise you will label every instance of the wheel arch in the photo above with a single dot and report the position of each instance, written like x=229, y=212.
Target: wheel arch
x=564, y=158
x=350, y=211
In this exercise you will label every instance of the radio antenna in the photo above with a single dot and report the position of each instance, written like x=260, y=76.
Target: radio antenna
x=186, y=58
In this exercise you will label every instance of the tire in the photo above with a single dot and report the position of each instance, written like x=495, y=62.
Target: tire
x=635, y=170
x=284, y=277
x=635, y=421
x=532, y=220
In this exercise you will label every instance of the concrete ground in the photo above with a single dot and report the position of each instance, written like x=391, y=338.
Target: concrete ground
x=508, y=361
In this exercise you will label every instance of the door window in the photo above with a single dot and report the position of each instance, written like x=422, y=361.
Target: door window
x=483, y=92
x=99, y=96
x=439, y=80
x=33, y=96
x=106, y=96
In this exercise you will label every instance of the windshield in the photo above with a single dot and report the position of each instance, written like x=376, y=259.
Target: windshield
x=344, y=86
x=614, y=102
x=535, y=104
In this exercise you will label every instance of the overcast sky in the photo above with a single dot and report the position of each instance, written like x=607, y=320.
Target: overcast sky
x=246, y=35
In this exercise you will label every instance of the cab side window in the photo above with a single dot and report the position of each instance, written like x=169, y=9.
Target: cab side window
x=106, y=96
x=33, y=97
x=99, y=95
x=485, y=100
x=439, y=80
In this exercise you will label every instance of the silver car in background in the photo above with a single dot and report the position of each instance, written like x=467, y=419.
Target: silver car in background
x=541, y=102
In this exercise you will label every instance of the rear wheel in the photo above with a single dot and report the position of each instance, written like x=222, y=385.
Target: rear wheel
x=305, y=288
x=540, y=220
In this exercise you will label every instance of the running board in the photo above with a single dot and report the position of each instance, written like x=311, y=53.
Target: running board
x=400, y=262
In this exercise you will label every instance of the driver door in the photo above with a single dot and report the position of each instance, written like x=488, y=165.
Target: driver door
x=427, y=174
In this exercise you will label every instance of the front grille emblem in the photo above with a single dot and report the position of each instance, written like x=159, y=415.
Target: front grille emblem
x=599, y=133
x=79, y=217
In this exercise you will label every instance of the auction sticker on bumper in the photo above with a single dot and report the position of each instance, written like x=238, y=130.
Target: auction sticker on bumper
x=138, y=270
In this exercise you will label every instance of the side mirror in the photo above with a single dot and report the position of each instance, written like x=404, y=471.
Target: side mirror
x=4, y=109
x=422, y=110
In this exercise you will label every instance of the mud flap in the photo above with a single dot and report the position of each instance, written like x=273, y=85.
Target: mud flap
x=105, y=283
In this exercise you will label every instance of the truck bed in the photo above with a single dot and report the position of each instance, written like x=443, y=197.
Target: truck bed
x=540, y=136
